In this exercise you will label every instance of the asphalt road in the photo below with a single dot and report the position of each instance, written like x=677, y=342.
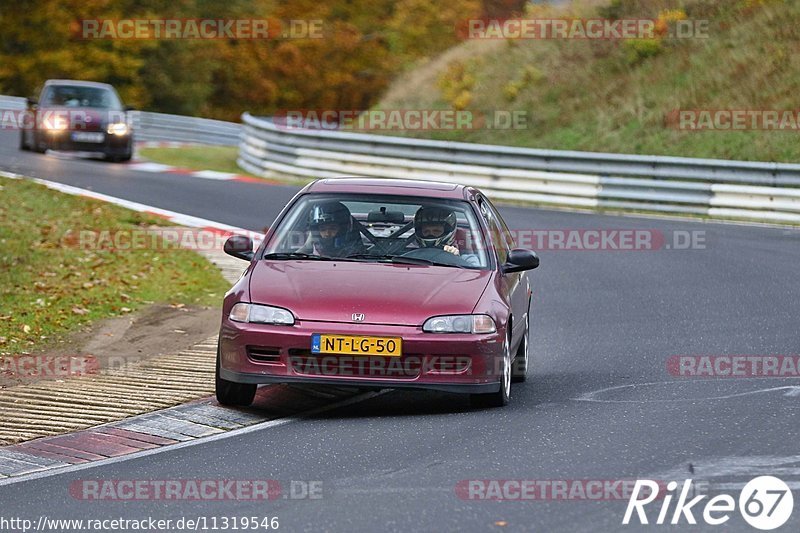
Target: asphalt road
x=600, y=319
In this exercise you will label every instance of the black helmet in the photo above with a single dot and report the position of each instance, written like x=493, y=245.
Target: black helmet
x=331, y=212
x=435, y=215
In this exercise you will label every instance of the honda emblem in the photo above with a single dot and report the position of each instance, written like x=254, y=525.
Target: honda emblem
x=358, y=317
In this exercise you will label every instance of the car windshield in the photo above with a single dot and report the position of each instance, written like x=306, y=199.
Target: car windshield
x=380, y=228
x=80, y=96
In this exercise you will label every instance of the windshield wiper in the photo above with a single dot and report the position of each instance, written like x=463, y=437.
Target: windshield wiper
x=403, y=260
x=370, y=256
x=282, y=256
x=391, y=257
x=296, y=255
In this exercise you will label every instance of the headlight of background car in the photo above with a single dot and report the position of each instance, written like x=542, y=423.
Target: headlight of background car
x=56, y=123
x=460, y=324
x=261, y=314
x=118, y=128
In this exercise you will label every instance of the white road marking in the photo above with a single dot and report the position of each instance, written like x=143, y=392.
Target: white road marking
x=178, y=218
x=792, y=390
x=214, y=175
x=149, y=167
x=746, y=467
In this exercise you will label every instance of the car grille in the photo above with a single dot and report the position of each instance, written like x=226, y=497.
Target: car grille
x=355, y=366
x=264, y=354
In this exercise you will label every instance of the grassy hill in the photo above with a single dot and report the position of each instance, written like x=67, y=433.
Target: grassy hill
x=617, y=95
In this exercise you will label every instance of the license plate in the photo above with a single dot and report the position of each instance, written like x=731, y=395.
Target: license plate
x=356, y=345
x=87, y=137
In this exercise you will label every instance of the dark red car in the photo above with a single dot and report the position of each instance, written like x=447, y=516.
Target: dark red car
x=379, y=283
x=83, y=116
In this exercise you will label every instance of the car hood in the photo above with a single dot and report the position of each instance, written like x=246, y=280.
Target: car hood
x=384, y=293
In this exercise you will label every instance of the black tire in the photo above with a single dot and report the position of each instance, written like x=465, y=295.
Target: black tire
x=22, y=144
x=118, y=158
x=231, y=393
x=519, y=368
x=38, y=146
x=502, y=396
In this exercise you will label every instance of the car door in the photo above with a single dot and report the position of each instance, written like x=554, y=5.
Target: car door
x=515, y=283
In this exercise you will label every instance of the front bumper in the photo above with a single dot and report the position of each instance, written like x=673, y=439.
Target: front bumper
x=111, y=144
x=259, y=353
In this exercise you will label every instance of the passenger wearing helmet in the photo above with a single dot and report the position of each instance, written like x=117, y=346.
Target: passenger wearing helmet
x=332, y=231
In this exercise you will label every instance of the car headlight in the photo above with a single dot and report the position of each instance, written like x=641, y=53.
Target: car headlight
x=118, y=128
x=58, y=123
x=460, y=324
x=261, y=314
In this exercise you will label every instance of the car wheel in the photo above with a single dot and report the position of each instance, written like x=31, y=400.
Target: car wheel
x=501, y=397
x=231, y=393
x=38, y=145
x=118, y=158
x=22, y=144
x=519, y=368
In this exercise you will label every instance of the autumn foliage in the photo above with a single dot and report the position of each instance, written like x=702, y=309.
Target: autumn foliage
x=364, y=45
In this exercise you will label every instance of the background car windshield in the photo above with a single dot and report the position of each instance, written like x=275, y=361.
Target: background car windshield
x=381, y=226
x=77, y=96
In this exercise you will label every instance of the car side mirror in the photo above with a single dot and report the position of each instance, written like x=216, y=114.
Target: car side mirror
x=32, y=102
x=239, y=246
x=519, y=260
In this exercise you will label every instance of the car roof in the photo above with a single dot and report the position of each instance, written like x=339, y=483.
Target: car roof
x=79, y=83
x=434, y=189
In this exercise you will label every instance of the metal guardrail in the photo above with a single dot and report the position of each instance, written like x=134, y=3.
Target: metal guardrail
x=11, y=102
x=163, y=127
x=713, y=187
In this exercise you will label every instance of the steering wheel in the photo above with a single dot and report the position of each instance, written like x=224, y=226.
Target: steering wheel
x=434, y=254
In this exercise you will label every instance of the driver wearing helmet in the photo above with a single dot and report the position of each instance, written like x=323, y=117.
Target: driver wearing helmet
x=435, y=227
x=332, y=231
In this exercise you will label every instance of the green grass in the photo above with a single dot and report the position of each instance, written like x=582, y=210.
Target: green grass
x=51, y=286
x=615, y=96
x=219, y=158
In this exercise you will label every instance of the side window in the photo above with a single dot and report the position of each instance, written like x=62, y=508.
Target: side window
x=500, y=234
x=507, y=235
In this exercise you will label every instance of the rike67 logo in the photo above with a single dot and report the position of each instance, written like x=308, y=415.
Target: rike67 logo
x=765, y=503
